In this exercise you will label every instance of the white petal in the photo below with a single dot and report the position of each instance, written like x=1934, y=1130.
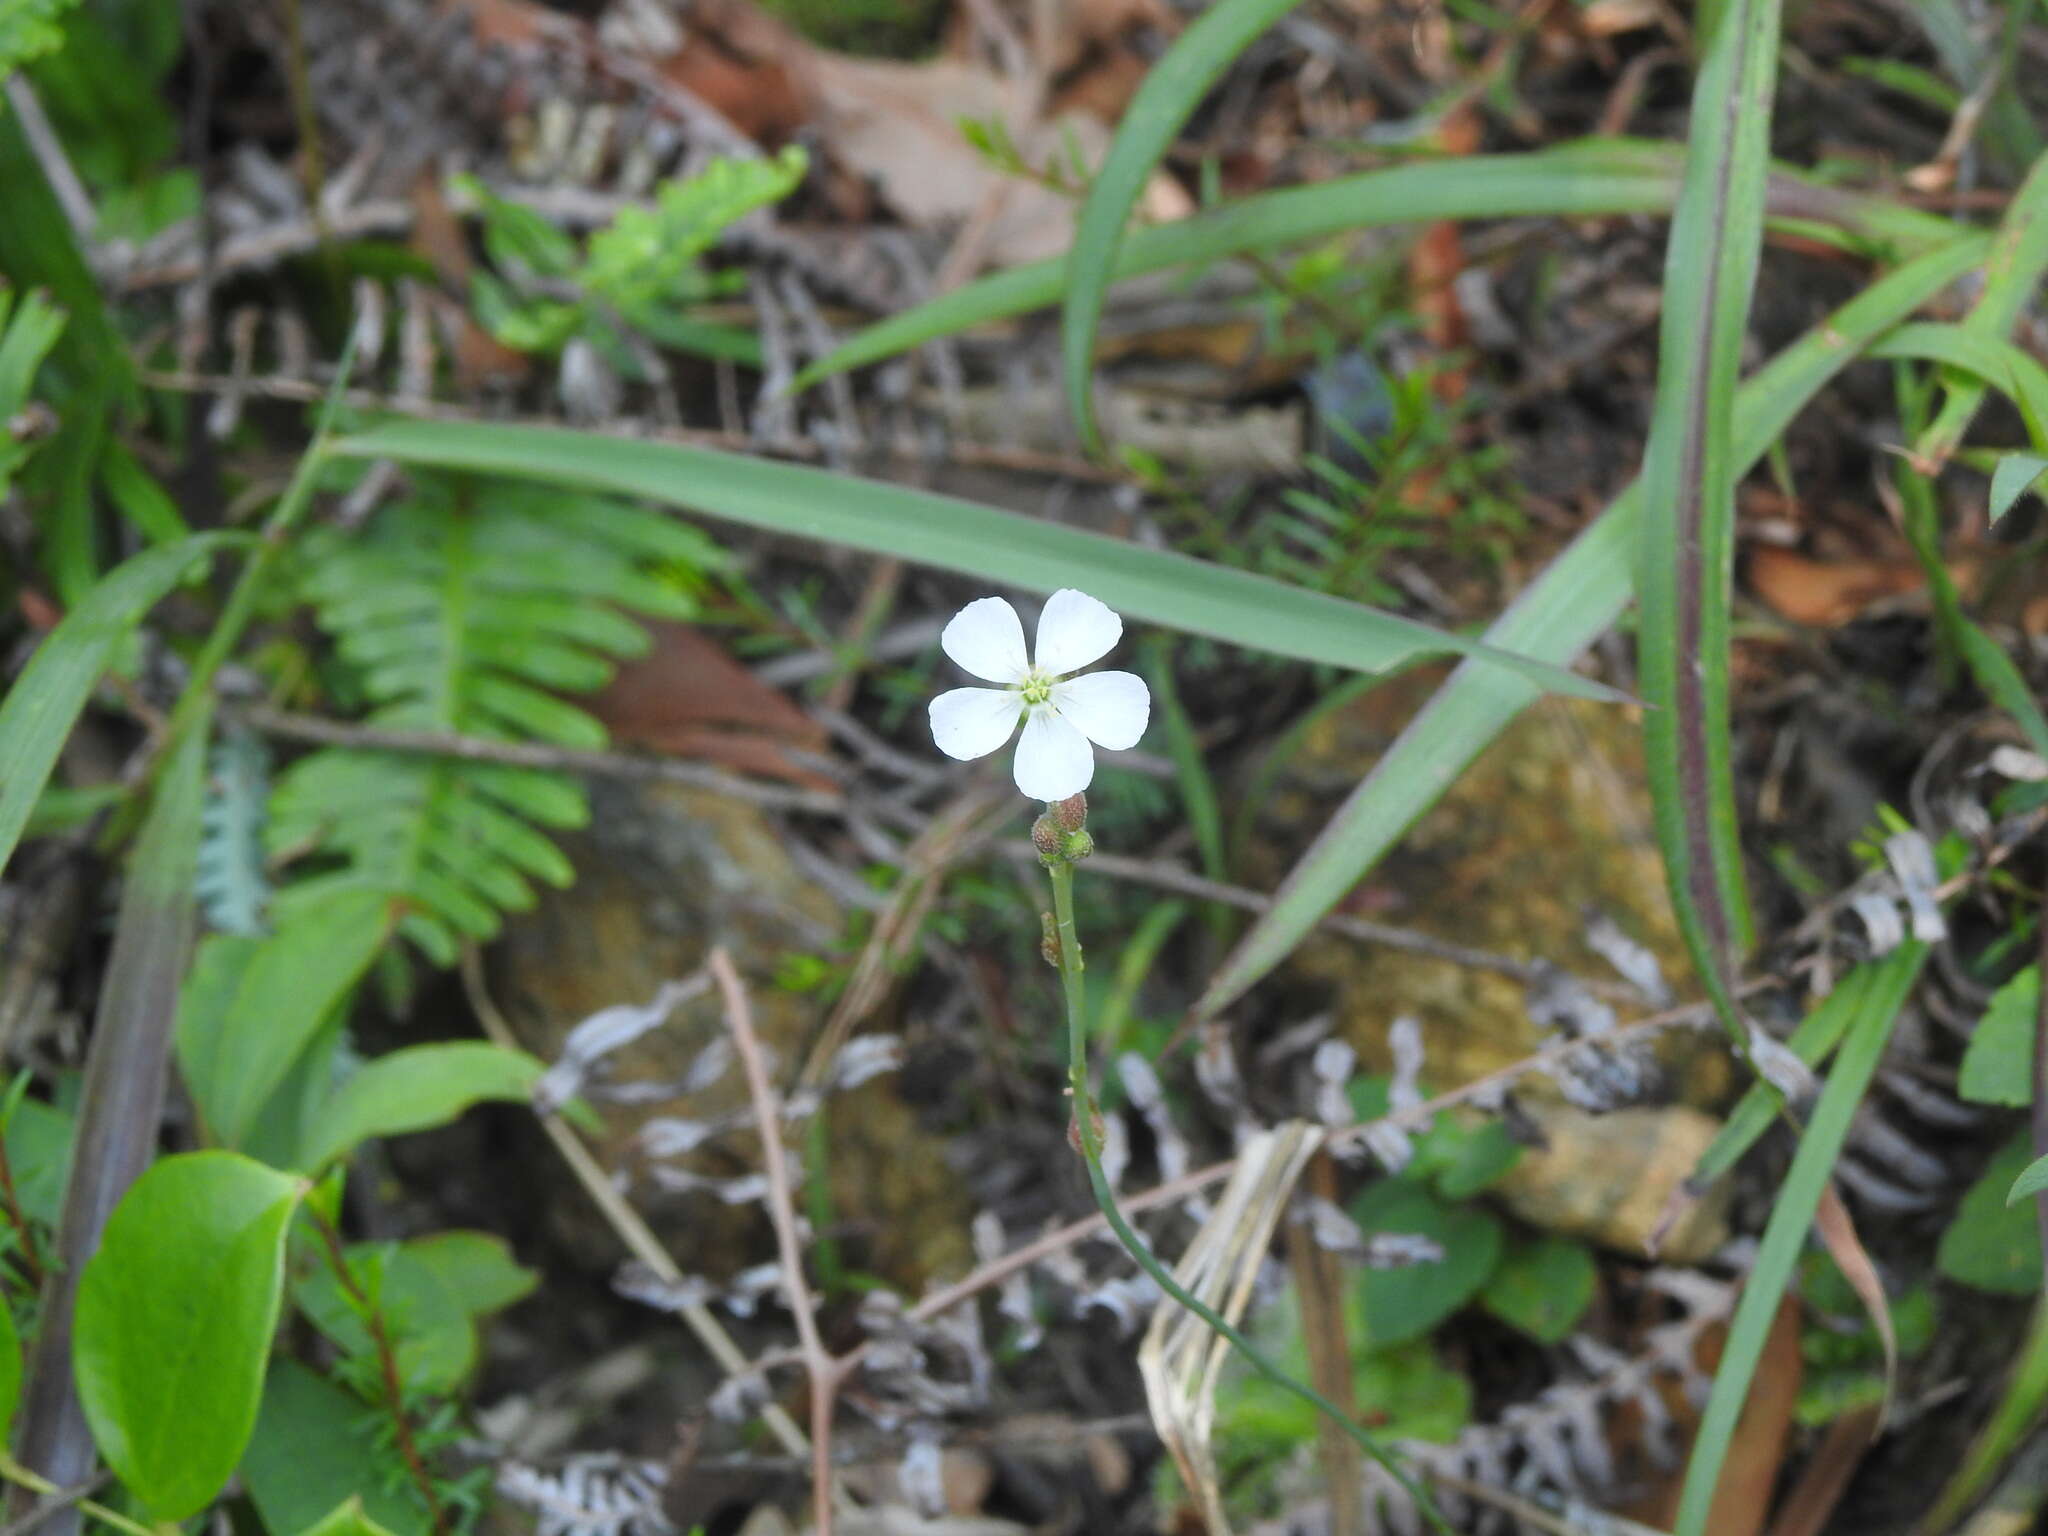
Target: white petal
x=973, y=722
x=987, y=639
x=1054, y=759
x=1110, y=708
x=1074, y=630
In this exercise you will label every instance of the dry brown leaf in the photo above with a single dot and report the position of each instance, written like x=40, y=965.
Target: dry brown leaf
x=688, y=698
x=1825, y=594
x=1811, y=1503
x=1835, y=1228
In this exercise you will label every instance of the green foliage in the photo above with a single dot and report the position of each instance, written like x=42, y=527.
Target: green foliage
x=2014, y=476
x=314, y=1447
x=1845, y=1355
x=10, y=1373
x=1993, y=1243
x=174, y=1322
x=29, y=328
x=1543, y=1286
x=232, y=885
x=45, y=701
x=643, y=271
x=1998, y=1066
x=412, y=1090
x=460, y=608
x=430, y=1293
x=1394, y=1306
x=893, y=28
x=29, y=29
x=252, y=1007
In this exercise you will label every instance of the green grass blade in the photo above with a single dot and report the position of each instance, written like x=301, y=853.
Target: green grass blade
x=1785, y=1234
x=121, y=1105
x=1003, y=548
x=2011, y=278
x=1687, y=551
x=1564, y=610
x=46, y=699
x=2017, y=1411
x=1817, y=1035
x=1587, y=178
x=1992, y=360
x=1172, y=89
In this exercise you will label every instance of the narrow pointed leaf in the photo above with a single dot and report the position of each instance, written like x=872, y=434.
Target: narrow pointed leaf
x=1003, y=548
x=1687, y=549
x=1785, y=1234
x=413, y=1089
x=1563, y=611
x=2016, y=474
x=46, y=699
x=1587, y=178
x=1172, y=89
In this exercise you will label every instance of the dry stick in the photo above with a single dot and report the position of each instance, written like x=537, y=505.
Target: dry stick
x=527, y=754
x=387, y=1365
x=638, y=1237
x=825, y=1370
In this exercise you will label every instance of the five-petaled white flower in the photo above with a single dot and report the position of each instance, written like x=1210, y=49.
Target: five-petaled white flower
x=1061, y=714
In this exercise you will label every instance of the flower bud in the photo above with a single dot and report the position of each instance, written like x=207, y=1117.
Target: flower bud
x=1076, y=846
x=1072, y=812
x=1048, y=839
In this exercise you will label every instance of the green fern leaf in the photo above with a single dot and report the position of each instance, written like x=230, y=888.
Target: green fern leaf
x=467, y=608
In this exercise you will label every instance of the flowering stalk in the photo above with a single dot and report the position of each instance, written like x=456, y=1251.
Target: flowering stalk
x=1062, y=840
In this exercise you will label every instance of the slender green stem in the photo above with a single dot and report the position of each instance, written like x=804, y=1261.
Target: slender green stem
x=14, y=1472
x=1090, y=1136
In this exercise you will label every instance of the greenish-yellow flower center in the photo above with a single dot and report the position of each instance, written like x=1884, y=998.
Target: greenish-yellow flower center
x=1036, y=688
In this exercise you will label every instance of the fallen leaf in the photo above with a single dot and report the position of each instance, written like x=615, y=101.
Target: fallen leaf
x=688, y=698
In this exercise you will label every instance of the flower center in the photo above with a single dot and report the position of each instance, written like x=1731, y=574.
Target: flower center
x=1036, y=688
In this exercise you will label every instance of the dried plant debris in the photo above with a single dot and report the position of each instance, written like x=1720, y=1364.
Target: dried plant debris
x=597, y=1494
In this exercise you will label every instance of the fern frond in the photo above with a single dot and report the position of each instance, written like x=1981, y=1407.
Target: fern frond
x=230, y=881
x=464, y=608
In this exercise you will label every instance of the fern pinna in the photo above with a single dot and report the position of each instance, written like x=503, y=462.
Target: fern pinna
x=465, y=607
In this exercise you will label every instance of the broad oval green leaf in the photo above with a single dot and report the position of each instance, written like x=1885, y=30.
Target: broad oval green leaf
x=1172, y=89
x=46, y=699
x=2032, y=1180
x=1393, y=1306
x=252, y=1006
x=1004, y=548
x=175, y=1316
x=1998, y=1064
x=413, y=1089
x=1543, y=1287
x=1993, y=1242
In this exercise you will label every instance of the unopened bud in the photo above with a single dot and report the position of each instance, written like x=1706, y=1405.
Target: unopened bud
x=1072, y=812
x=1047, y=837
x=1076, y=846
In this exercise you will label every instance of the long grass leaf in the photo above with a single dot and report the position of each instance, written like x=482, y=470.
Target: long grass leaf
x=1563, y=611
x=1172, y=89
x=1992, y=360
x=1785, y=1233
x=2011, y=278
x=1003, y=548
x=46, y=699
x=1588, y=178
x=1687, y=550
x=121, y=1105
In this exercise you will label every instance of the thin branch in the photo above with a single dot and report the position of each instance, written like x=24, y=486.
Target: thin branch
x=387, y=1365
x=638, y=1237
x=528, y=754
x=824, y=1370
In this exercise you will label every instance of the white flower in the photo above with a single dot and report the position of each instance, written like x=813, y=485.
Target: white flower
x=1061, y=714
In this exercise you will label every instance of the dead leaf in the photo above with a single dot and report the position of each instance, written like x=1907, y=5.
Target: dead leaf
x=1810, y=1504
x=1825, y=594
x=688, y=698
x=1833, y=1225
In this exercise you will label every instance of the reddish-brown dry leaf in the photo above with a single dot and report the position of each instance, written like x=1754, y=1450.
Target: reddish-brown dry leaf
x=1835, y=1228
x=688, y=698
x=1826, y=593
x=1757, y=1454
x=1813, y=1498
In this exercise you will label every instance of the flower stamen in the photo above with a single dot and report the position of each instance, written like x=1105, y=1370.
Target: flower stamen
x=1036, y=688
